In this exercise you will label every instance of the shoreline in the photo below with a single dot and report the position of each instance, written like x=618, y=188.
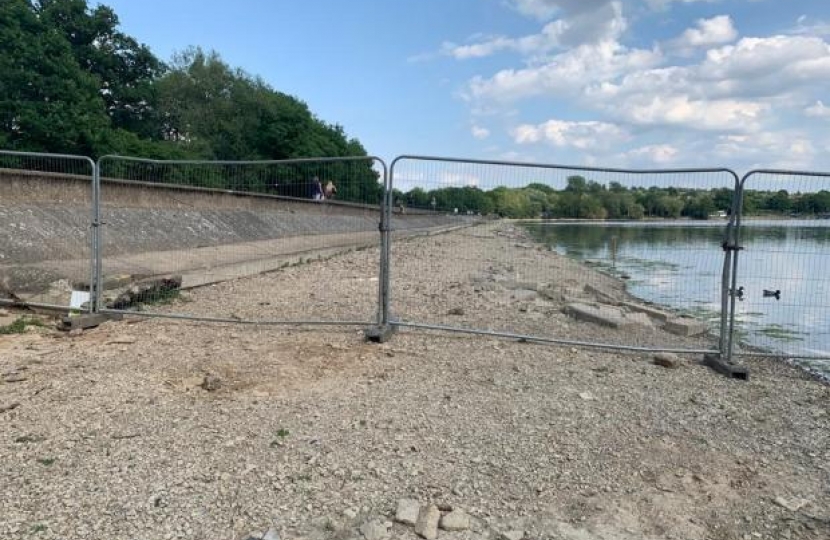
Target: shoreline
x=822, y=376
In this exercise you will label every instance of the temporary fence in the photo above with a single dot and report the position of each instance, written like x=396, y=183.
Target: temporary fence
x=533, y=246
x=169, y=226
x=621, y=225
x=40, y=266
x=782, y=288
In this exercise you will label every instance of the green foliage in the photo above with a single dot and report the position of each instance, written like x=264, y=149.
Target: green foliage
x=19, y=325
x=583, y=198
x=72, y=82
x=47, y=101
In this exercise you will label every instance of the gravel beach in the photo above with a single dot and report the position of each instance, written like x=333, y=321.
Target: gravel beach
x=160, y=429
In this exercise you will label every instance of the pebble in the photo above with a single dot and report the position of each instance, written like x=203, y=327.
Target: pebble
x=512, y=535
x=376, y=530
x=793, y=505
x=427, y=524
x=407, y=512
x=667, y=360
x=457, y=520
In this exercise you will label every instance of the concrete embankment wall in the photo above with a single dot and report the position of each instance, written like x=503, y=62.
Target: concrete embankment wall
x=47, y=217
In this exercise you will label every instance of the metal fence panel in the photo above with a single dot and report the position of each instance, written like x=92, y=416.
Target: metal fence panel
x=47, y=211
x=624, y=243
x=783, y=304
x=221, y=241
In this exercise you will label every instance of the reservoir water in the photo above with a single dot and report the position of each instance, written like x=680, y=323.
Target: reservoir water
x=784, y=270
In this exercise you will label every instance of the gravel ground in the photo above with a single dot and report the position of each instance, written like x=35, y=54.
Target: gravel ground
x=312, y=432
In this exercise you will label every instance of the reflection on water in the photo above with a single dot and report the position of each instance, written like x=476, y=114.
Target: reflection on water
x=680, y=264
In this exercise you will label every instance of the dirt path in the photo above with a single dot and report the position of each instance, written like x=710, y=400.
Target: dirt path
x=314, y=431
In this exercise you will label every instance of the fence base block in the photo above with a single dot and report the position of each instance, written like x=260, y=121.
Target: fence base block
x=715, y=362
x=82, y=322
x=380, y=333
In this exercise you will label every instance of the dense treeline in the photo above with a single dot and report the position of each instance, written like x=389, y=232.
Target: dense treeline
x=72, y=82
x=586, y=199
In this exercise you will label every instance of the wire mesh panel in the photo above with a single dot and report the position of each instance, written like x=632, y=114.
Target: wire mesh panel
x=228, y=240
x=783, y=287
x=629, y=259
x=46, y=213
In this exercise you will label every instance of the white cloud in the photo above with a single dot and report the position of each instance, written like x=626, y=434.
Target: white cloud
x=744, y=94
x=581, y=135
x=546, y=9
x=479, y=132
x=807, y=26
x=660, y=154
x=818, y=110
x=593, y=21
x=789, y=149
x=736, y=87
x=707, y=32
x=565, y=73
x=680, y=110
x=661, y=5
x=801, y=57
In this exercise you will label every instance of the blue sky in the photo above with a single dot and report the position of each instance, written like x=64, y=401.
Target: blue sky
x=631, y=83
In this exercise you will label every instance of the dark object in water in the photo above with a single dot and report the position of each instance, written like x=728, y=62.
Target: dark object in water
x=774, y=294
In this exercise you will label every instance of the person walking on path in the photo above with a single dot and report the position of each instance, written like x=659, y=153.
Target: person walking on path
x=316, y=189
x=331, y=190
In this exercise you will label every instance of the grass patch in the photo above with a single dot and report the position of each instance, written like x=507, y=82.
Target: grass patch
x=19, y=326
x=46, y=462
x=164, y=297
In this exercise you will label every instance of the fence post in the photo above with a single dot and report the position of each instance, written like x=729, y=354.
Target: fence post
x=95, y=282
x=722, y=362
x=383, y=331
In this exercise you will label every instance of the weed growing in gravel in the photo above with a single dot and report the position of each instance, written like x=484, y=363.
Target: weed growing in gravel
x=46, y=462
x=39, y=528
x=281, y=435
x=164, y=297
x=19, y=326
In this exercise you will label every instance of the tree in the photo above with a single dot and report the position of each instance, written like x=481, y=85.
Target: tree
x=418, y=198
x=47, y=102
x=124, y=69
x=699, y=206
x=577, y=184
x=779, y=202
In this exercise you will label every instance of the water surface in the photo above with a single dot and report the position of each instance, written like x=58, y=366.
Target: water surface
x=680, y=265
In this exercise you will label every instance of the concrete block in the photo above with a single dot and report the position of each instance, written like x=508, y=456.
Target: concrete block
x=82, y=322
x=600, y=294
x=685, y=327
x=652, y=312
x=380, y=333
x=601, y=315
x=716, y=363
x=523, y=295
x=639, y=318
